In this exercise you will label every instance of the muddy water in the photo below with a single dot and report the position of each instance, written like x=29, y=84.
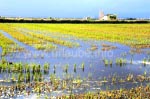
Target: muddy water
x=94, y=69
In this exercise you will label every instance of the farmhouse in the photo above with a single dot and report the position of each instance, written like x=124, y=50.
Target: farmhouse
x=107, y=17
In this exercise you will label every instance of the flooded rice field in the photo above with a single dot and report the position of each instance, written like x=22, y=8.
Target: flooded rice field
x=92, y=66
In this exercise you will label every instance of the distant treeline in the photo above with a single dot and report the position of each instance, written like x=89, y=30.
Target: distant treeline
x=71, y=21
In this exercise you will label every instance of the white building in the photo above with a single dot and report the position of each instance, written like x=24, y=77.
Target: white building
x=107, y=17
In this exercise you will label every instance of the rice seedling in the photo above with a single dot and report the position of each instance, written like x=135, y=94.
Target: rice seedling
x=93, y=48
x=8, y=68
x=46, y=47
x=38, y=68
x=114, y=79
x=75, y=66
x=20, y=78
x=39, y=47
x=28, y=76
x=46, y=68
x=64, y=84
x=66, y=68
x=77, y=81
x=54, y=81
x=3, y=60
x=106, y=62
x=111, y=63
x=145, y=73
x=35, y=77
x=0, y=66
x=4, y=52
x=129, y=77
x=52, y=78
x=121, y=80
x=140, y=78
x=124, y=61
x=144, y=61
x=82, y=66
x=124, y=54
x=4, y=67
x=40, y=77
x=104, y=80
x=34, y=69
x=121, y=61
x=13, y=78
x=131, y=61
x=27, y=68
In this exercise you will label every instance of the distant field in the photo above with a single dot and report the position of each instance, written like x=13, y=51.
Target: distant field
x=136, y=35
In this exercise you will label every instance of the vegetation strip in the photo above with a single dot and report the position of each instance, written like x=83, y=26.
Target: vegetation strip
x=134, y=35
x=8, y=45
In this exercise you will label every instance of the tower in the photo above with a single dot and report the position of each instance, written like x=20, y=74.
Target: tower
x=101, y=15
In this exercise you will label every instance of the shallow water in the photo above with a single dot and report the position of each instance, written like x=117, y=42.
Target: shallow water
x=94, y=70
x=71, y=56
x=17, y=42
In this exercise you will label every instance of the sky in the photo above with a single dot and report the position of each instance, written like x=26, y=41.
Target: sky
x=74, y=8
